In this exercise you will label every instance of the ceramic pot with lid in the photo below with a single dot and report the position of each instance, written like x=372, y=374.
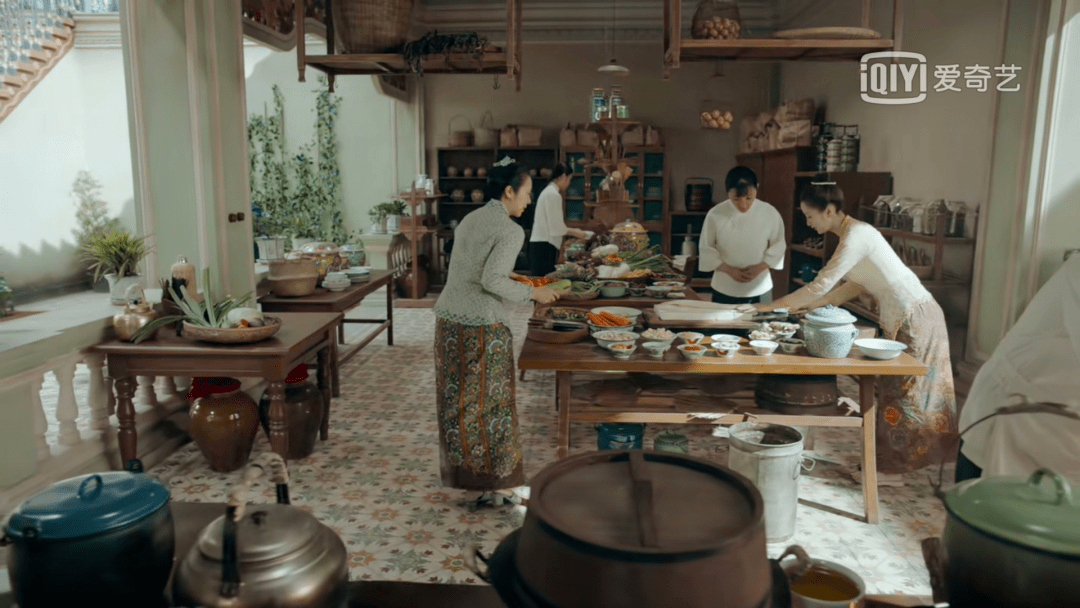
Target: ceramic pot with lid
x=224, y=422
x=830, y=332
x=93, y=540
x=1012, y=542
x=354, y=252
x=264, y=556
x=630, y=236
x=635, y=528
x=304, y=410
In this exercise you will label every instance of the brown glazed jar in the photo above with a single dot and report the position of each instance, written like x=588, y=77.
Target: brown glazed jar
x=304, y=409
x=224, y=422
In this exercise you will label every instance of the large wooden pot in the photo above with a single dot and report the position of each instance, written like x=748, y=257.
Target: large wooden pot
x=635, y=528
x=797, y=395
x=371, y=26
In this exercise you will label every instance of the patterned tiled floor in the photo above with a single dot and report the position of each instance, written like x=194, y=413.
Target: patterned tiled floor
x=376, y=480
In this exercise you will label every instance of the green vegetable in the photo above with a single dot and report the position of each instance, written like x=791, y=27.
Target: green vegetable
x=205, y=313
x=560, y=285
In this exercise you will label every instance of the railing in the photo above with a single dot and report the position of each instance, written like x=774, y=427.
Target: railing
x=74, y=424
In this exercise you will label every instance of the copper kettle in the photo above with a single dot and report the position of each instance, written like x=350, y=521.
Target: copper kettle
x=264, y=556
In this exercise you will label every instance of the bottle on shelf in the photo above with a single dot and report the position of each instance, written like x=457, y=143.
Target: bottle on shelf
x=618, y=107
x=598, y=108
x=689, y=247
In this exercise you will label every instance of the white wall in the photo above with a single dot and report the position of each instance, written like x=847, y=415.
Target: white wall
x=74, y=119
x=365, y=129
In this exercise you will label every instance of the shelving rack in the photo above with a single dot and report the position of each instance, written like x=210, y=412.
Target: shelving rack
x=418, y=226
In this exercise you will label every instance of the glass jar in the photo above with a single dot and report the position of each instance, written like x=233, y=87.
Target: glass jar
x=598, y=107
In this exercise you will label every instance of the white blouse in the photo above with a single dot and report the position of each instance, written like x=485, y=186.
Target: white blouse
x=741, y=240
x=548, y=225
x=865, y=258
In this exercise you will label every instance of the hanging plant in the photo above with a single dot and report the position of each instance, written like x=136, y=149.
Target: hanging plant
x=433, y=43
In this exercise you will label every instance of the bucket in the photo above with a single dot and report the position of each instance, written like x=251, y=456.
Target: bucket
x=770, y=455
x=619, y=436
x=670, y=441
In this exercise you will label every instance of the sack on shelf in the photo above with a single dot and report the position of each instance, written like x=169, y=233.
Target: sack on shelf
x=529, y=136
x=652, y=137
x=795, y=133
x=508, y=137
x=585, y=137
x=634, y=136
x=568, y=136
x=790, y=111
x=772, y=135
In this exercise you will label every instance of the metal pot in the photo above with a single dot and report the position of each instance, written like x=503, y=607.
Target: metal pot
x=634, y=528
x=1012, y=543
x=830, y=332
x=277, y=556
x=94, y=540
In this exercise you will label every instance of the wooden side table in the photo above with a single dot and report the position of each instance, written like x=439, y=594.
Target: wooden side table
x=301, y=337
x=324, y=301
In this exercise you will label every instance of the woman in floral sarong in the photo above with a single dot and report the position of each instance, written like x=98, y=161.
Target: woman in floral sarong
x=474, y=352
x=917, y=420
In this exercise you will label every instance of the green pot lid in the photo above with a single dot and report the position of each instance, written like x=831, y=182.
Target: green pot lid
x=830, y=315
x=1030, y=512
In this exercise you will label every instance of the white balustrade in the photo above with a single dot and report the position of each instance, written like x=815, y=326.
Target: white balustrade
x=41, y=423
x=100, y=391
x=145, y=394
x=67, y=409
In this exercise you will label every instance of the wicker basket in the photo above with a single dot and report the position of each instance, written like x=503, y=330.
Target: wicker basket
x=459, y=139
x=529, y=136
x=716, y=20
x=486, y=136
x=371, y=26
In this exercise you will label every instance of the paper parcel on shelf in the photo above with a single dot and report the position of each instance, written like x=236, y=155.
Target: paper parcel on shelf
x=696, y=310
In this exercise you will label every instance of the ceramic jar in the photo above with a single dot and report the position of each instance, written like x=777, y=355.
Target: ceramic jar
x=830, y=332
x=477, y=196
x=324, y=254
x=224, y=422
x=457, y=195
x=630, y=236
x=304, y=410
x=355, y=253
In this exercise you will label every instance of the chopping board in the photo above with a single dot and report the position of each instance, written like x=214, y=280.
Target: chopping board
x=828, y=33
x=653, y=320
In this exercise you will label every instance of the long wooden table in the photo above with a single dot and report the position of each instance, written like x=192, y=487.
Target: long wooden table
x=569, y=359
x=324, y=300
x=301, y=338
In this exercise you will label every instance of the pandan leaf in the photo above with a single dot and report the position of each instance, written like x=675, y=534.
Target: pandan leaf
x=151, y=328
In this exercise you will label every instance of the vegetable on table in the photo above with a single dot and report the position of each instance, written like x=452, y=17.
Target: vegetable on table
x=535, y=281
x=607, y=319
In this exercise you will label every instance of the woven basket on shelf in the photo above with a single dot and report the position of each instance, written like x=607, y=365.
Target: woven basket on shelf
x=371, y=26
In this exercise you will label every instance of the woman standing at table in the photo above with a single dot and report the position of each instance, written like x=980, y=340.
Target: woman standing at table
x=917, y=421
x=742, y=238
x=548, y=228
x=474, y=354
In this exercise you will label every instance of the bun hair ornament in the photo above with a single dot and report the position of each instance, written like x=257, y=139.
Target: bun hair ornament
x=505, y=162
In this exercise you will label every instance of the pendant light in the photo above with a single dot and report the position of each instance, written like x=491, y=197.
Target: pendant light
x=613, y=68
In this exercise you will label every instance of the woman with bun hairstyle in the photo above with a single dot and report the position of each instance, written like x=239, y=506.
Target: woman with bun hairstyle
x=916, y=415
x=474, y=354
x=549, y=228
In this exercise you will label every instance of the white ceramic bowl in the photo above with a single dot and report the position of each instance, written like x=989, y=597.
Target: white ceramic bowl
x=656, y=349
x=658, y=291
x=675, y=295
x=622, y=353
x=691, y=337
x=791, y=345
x=724, y=338
x=609, y=337
x=620, y=311
x=597, y=329
x=613, y=289
x=876, y=348
x=693, y=354
x=763, y=347
x=765, y=336
x=667, y=341
x=725, y=349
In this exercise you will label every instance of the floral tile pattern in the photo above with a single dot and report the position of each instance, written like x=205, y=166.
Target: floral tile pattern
x=376, y=480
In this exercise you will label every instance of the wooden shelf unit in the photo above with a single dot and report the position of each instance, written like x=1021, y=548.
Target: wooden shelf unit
x=651, y=210
x=678, y=48
x=500, y=60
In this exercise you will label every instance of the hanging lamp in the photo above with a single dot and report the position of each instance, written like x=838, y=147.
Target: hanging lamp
x=613, y=68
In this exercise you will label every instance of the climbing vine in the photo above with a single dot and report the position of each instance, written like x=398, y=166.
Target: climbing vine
x=297, y=195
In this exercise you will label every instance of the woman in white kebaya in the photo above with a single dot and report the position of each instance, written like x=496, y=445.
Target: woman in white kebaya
x=741, y=240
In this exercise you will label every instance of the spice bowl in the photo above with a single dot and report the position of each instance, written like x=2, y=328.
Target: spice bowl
x=656, y=349
x=606, y=338
x=637, y=291
x=658, y=291
x=764, y=347
x=691, y=337
x=599, y=329
x=790, y=345
x=622, y=350
x=692, y=351
x=725, y=338
x=725, y=349
x=613, y=289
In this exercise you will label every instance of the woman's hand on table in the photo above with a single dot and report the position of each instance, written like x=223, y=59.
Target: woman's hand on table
x=515, y=276
x=750, y=308
x=544, y=295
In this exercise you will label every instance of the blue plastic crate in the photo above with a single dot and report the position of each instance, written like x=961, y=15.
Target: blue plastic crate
x=619, y=436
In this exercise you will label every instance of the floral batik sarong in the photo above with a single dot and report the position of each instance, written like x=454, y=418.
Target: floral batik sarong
x=917, y=421
x=478, y=428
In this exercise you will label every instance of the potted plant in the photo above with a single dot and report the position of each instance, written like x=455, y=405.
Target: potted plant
x=7, y=298
x=115, y=255
x=378, y=215
x=394, y=210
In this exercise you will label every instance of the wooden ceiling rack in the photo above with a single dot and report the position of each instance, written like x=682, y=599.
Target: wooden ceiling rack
x=505, y=61
x=678, y=50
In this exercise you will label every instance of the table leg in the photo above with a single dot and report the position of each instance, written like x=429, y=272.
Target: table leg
x=869, y=447
x=562, y=402
x=390, y=313
x=335, y=372
x=279, y=437
x=341, y=332
x=125, y=417
x=324, y=380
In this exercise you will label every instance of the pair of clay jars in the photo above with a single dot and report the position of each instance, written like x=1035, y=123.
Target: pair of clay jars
x=225, y=420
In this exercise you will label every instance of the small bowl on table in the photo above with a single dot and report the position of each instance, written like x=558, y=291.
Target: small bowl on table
x=876, y=348
x=691, y=337
x=725, y=349
x=674, y=285
x=692, y=351
x=622, y=350
x=656, y=349
x=764, y=347
x=609, y=337
x=658, y=291
x=613, y=289
x=790, y=345
x=597, y=329
x=637, y=291
x=667, y=341
x=725, y=338
x=676, y=295
x=766, y=336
